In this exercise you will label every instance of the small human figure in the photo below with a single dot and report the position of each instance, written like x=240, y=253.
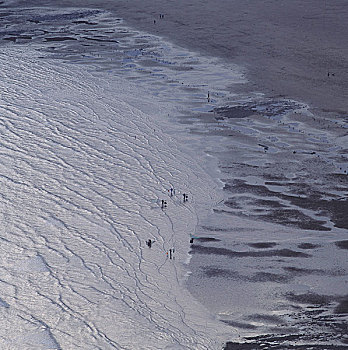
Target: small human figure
x=154, y=21
x=149, y=243
x=191, y=240
x=208, y=97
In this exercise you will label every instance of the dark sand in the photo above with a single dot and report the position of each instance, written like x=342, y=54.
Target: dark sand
x=288, y=47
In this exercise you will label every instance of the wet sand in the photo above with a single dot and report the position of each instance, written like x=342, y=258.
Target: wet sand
x=288, y=47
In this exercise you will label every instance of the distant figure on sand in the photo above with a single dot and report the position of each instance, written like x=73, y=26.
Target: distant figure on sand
x=171, y=253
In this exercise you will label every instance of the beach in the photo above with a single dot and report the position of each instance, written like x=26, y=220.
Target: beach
x=241, y=105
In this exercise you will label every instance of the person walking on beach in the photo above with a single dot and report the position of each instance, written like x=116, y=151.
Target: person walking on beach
x=171, y=254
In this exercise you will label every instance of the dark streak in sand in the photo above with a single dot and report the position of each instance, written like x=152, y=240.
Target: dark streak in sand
x=233, y=112
x=262, y=245
x=85, y=22
x=239, y=324
x=310, y=298
x=217, y=229
x=300, y=271
x=62, y=38
x=342, y=244
x=269, y=203
x=199, y=249
x=101, y=40
x=308, y=246
x=342, y=307
x=207, y=239
x=259, y=277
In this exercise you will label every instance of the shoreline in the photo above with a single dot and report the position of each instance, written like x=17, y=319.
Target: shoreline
x=287, y=48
